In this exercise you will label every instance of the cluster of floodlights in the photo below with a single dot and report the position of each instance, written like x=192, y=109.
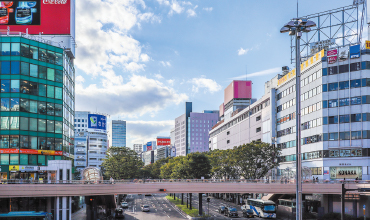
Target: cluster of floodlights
x=298, y=24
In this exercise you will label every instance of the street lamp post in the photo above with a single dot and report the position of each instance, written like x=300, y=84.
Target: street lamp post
x=295, y=27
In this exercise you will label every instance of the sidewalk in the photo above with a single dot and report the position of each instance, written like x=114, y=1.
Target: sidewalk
x=80, y=214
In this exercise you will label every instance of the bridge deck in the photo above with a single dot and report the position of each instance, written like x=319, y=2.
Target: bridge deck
x=46, y=190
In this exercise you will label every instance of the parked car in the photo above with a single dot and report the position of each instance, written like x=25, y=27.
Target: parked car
x=145, y=208
x=124, y=205
x=248, y=213
x=221, y=209
x=231, y=212
x=204, y=195
x=119, y=213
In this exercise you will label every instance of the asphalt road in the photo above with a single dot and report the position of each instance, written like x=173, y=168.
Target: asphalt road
x=160, y=208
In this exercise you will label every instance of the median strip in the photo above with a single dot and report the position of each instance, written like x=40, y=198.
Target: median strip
x=191, y=213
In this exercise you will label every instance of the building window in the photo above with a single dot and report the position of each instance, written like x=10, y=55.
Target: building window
x=258, y=129
x=228, y=132
x=228, y=141
x=258, y=118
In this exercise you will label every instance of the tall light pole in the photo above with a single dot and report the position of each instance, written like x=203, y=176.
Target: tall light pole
x=295, y=27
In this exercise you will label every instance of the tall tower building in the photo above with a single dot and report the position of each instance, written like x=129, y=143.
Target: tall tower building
x=117, y=136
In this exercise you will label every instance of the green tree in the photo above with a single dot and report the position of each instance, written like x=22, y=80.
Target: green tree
x=192, y=166
x=167, y=169
x=223, y=164
x=255, y=159
x=121, y=163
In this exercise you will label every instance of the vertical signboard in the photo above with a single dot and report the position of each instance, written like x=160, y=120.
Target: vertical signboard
x=354, y=51
x=149, y=146
x=332, y=56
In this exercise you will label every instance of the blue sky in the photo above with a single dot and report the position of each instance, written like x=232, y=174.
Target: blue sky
x=140, y=61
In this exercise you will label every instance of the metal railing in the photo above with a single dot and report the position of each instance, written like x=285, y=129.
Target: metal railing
x=154, y=181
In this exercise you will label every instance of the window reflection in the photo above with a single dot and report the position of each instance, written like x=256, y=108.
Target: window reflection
x=14, y=104
x=5, y=104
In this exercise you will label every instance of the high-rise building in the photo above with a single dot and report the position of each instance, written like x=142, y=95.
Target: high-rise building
x=138, y=148
x=117, y=133
x=91, y=140
x=191, y=130
x=38, y=100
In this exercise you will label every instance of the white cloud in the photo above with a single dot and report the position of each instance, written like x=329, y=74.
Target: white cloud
x=79, y=79
x=260, y=73
x=242, y=51
x=163, y=2
x=191, y=12
x=165, y=63
x=143, y=131
x=158, y=76
x=208, y=9
x=207, y=84
x=176, y=8
x=138, y=96
x=115, y=47
x=170, y=82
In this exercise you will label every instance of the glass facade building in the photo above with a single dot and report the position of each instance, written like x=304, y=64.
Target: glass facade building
x=118, y=133
x=37, y=104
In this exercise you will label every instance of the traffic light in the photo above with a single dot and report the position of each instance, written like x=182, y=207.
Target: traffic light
x=162, y=190
x=208, y=199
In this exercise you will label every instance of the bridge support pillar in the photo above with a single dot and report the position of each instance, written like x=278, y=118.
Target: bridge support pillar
x=190, y=195
x=182, y=198
x=174, y=196
x=343, y=202
x=200, y=204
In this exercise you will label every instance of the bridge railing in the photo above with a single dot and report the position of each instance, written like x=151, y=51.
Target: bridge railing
x=154, y=181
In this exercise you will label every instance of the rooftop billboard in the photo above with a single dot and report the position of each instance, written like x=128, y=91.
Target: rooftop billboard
x=238, y=89
x=163, y=141
x=97, y=123
x=37, y=16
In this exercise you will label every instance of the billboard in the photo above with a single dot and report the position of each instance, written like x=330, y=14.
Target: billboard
x=36, y=16
x=163, y=141
x=354, y=51
x=238, y=89
x=149, y=146
x=97, y=122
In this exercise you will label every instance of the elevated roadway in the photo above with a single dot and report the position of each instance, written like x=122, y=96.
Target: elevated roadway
x=107, y=188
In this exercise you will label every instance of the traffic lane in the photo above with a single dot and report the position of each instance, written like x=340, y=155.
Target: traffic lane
x=214, y=204
x=159, y=208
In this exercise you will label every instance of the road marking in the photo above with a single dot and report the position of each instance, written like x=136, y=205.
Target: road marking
x=168, y=216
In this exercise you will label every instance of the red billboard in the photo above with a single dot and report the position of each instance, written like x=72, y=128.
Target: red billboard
x=38, y=16
x=163, y=141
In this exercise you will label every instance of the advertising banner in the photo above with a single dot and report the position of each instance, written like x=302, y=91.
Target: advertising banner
x=28, y=168
x=9, y=151
x=332, y=56
x=345, y=172
x=367, y=45
x=163, y=141
x=36, y=16
x=97, y=122
x=343, y=53
x=354, y=51
x=149, y=146
x=13, y=168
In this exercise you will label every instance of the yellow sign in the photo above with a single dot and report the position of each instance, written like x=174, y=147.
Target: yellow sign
x=367, y=44
x=46, y=152
x=312, y=60
x=13, y=168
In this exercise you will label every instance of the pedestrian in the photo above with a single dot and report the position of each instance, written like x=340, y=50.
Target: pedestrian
x=317, y=179
x=313, y=179
x=111, y=180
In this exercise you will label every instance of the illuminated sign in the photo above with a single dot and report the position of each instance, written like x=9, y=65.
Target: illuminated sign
x=367, y=45
x=163, y=141
x=13, y=168
x=97, y=122
x=354, y=51
x=310, y=61
x=149, y=146
x=332, y=56
x=36, y=16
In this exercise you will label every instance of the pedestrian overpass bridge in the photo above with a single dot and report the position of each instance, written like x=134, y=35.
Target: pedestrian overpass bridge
x=83, y=188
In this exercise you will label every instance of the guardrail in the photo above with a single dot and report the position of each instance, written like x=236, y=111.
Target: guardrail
x=153, y=181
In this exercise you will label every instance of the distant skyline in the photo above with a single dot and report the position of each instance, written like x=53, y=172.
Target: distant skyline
x=144, y=66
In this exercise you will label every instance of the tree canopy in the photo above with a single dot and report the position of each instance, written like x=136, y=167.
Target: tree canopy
x=121, y=163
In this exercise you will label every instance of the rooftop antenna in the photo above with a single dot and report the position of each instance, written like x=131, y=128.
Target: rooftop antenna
x=297, y=8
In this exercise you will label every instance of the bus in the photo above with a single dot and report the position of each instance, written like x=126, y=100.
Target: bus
x=26, y=215
x=262, y=208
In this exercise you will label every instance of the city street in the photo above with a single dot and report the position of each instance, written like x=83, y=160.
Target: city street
x=160, y=208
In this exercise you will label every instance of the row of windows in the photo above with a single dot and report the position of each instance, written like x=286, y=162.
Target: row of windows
x=311, y=93
x=31, y=106
x=356, y=83
x=311, y=108
x=285, y=92
x=335, y=153
x=31, y=142
x=311, y=139
x=311, y=78
x=286, y=105
x=344, y=68
x=311, y=124
x=32, y=52
x=335, y=136
x=346, y=118
x=27, y=69
x=25, y=159
x=31, y=124
x=333, y=103
x=285, y=118
x=286, y=131
x=32, y=88
x=241, y=117
x=288, y=144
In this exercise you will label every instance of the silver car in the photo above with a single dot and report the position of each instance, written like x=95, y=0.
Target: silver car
x=124, y=205
x=145, y=208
